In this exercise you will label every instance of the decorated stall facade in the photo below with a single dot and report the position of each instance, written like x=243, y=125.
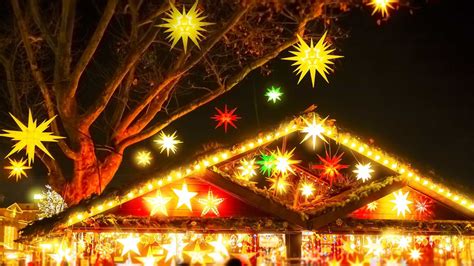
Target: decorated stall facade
x=305, y=191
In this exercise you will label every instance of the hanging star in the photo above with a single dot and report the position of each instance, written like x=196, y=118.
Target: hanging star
x=149, y=260
x=273, y=94
x=415, y=254
x=401, y=203
x=283, y=162
x=348, y=246
x=210, y=203
x=171, y=249
x=17, y=168
x=219, y=246
x=184, y=25
x=374, y=248
x=31, y=136
x=330, y=166
x=372, y=206
x=184, y=196
x=167, y=142
x=267, y=162
x=313, y=130
x=382, y=6
x=423, y=207
x=247, y=168
x=307, y=189
x=158, y=204
x=312, y=58
x=363, y=171
x=280, y=184
x=129, y=244
x=403, y=242
x=143, y=158
x=197, y=255
x=225, y=117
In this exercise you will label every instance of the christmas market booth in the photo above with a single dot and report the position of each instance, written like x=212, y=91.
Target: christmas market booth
x=307, y=191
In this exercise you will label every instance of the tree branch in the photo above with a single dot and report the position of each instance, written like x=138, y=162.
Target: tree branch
x=39, y=23
x=91, y=46
x=12, y=90
x=38, y=76
x=55, y=175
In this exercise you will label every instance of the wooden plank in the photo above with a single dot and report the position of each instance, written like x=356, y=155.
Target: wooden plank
x=251, y=198
x=342, y=212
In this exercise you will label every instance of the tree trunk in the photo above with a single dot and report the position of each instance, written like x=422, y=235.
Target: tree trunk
x=90, y=175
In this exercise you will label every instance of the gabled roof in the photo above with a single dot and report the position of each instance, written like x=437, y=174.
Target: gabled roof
x=352, y=199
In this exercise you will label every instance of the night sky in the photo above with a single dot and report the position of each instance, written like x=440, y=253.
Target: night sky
x=407, y=84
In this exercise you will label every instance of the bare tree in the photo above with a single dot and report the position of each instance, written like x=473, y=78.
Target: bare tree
x=108, y=73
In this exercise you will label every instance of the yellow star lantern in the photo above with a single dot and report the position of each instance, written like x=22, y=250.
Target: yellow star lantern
x=312, y=58
x=129, y=244
x=313, y=130
x=210, y=203
x=17, y=168
x=279, y=184
x=149, y=260
x=307, y=190
x=382, y=6
x=167, y=142
x=184, y=25
x=401, y=203
x=158, y=204
x=197, y=255
x=184, y=196
x=143, y=158
x=247, y=168
x=283, y=161
x=31, y=136
x=415, y=254
x=363, y=172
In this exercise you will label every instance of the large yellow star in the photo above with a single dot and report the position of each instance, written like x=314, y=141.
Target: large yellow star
x=129, y=244
x=184, y=196
x=150, y=260
x=143, y=158
x=283, y=162
x=219, y=246
x=313, y=130
x=30, y=136
x=184, y=25
x=171, y=249
x=312, y=58
x=210, y=203
x=382, y=6
x=401, y=203
x=363, y=172
x=167, y=142
x=17, y=168
x=158, y=203
x=197, y=255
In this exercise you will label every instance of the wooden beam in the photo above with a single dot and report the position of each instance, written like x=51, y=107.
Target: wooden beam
x=341, y=212
x=253, y=199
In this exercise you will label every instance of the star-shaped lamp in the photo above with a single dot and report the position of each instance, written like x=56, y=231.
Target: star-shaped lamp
x=184, y=196
x=225, y=117
x=17, y=168
x=210, y=203
x=158, y=204
x=129, y=244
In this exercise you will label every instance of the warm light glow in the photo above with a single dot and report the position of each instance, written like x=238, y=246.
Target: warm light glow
x=247, y=168
x=184, y=25
x=273, y=94
x=158, y=204
x=197, y=255
x=404, y=242
x=225, y=117
x=210, y=203
x=143, y=158
x=307, y=190
x=129, y=244
x=171, y=249
x=280, y=184
x=363, y=172
x=184, y=196
x=372, y=206
x=283, y=161
x=382, y=6
x=267, y=163
x=330, y=166
x=17, y=168
x=168, y=142
x=313, y=130
x=31, y=136
x=219, y=246
x=415, y=254
x=401, y=203
x=312, y=58
x=149, y=260
x=374, y=248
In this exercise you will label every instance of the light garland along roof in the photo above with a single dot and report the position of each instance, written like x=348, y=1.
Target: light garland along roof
x=411, y=176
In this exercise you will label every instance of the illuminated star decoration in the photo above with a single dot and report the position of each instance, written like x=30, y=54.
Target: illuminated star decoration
x=197, y=255
x=404, y=242
x=143, y=158
x=225, y=117
x=149, y=260
x=283, y=161
x=17, y=168
x=330, y=166
x=30, y=136
x=279, y=184
x=401, y=203
x=382, y=6
x=313, y=130
x=184, y=25
x=363, y=171
x=129, y=244
x=219, y=246
x=184, y=196
x=273, y=94
x=307, y=190
x=167, y=142
x=423, y=207
x=312, y=58
x=391, y=261
x=267, y=162
x=171, y=249
x=247, y=168
x=372, y=206
x=374, y=248
x=158, y=204
x=415, y=254
x=210, y=203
